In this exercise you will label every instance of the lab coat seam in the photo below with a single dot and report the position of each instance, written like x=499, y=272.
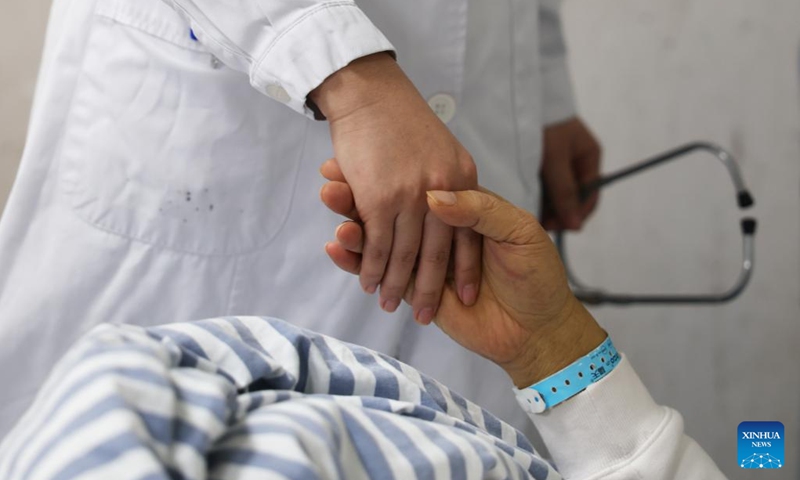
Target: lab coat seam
x=125, y=15
x=302, y=18
x=58, y=154
x=303, y=140
x=297, y=22
x=165, y=247
x=558, y=102
x=512, y=80
x=233, y=286
x=557, y=99
x=234, y=51
x=460, y=64
x=150, y=33
x=162, y=246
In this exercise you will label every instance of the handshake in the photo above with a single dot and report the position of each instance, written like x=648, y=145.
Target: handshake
x=521, y=315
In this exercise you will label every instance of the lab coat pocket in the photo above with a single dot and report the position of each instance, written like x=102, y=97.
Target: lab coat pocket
x=166, y=146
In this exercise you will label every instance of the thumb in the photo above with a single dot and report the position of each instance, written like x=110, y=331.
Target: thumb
x=486, y=214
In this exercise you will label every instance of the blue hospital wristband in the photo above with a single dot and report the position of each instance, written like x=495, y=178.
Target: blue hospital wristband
x=570, y=381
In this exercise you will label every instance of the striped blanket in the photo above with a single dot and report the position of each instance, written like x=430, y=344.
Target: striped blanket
x=252, y=398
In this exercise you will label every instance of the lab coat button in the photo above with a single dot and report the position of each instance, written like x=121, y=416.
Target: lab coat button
x=444, y=106
x=276, y=92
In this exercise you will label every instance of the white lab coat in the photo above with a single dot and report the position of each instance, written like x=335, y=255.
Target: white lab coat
x=160, y=182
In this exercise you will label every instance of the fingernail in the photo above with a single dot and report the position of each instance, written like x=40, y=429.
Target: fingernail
x=442, y=198
x=425, y=316
x=336, y=233
x=390, y=305
x=469, y=294
x=371, y=289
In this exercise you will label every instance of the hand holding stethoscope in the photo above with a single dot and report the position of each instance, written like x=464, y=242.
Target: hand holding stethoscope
x=595, y=296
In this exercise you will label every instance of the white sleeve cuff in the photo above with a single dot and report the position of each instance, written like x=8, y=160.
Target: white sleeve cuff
x=614, y=430
x=320, y=43
x=288, y=48
x=602, y=426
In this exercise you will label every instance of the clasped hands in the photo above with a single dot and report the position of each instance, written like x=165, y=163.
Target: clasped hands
x=392, y=149
x=524, y=318
x=397, y=166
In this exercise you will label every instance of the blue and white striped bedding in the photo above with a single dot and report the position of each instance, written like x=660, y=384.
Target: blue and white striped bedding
x=252, y=398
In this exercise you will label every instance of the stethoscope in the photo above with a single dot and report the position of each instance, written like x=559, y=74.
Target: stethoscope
x=595, y=296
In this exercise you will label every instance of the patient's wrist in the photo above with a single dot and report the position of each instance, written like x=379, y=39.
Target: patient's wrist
x=557, y=347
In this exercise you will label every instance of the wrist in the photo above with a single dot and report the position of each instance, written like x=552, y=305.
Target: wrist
x=363, y=83
x=573, y=336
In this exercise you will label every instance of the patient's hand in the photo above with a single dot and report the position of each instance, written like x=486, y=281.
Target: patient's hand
x=525, y=319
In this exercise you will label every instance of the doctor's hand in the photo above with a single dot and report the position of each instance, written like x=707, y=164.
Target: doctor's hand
x=392, y=148
x=571, y=157
x=526, y=318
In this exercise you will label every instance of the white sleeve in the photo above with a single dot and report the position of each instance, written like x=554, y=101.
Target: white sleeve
x=287, y=47
x=557, y=99
x=614, y=430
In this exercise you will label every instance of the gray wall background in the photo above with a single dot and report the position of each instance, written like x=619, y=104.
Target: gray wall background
x=22, y=26
x=649, y=76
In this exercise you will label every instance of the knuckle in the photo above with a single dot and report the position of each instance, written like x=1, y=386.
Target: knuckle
x=407, y=258
x=436, y=258
x=525, y=230
x=405, y=197
x=489, y=205
x=390, y=289
x=470, y=241
x=462, y=174
x=469, y=171
x=426, y=297
x=440, y=181
x=469, y=272
x=376, y=254
x=387, y=198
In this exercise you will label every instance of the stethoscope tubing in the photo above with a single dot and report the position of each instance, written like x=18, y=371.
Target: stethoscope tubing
x=744, y=199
